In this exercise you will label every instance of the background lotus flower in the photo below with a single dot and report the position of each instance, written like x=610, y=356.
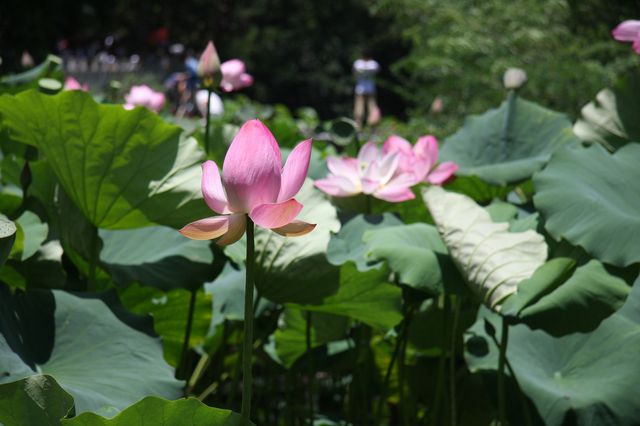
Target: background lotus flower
x=373, y=172
x=216, y=107
x=144, y=96
x=420, y=159
x=234, y=76
x=72, y=84
x=628, y=31
x=253, y=183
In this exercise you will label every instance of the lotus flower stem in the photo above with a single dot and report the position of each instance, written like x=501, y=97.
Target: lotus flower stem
x=311, y=365
x=510, y=116
x=247, y=345
x=207, y=147
x=93, y=259
x=452, y=363
x=187, y=335
x=441, y=393
x=399, y=342
x=504, y=339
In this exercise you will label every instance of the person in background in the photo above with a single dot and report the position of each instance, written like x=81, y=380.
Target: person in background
x=365, y=70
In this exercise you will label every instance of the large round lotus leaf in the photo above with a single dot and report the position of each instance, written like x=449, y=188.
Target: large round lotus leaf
x=583, y=379
x=153, y=411
x=84, y=344
x=483, y=148
x=591, y=198
x=170, y=311
x=348, y=245
x=492, y=260
x=363, y=296
x=157, y=256
x=613, y=118
x=123, y=169
x=411, y=251
x=35, y=400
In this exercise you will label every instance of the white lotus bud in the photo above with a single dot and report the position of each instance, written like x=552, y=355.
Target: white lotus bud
x=514, y=78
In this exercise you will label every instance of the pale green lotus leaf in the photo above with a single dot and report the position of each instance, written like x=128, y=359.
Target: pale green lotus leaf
x=491, y=259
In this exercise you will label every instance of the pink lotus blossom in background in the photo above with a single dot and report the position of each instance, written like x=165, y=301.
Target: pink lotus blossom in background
x=144, y=96
x=253, y=183
x=234, y=76
x=373, y=172
x=72, y=84
x=420, y=159
x=628, y=31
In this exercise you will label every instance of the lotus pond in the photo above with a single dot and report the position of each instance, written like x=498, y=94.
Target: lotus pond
x=262, y=267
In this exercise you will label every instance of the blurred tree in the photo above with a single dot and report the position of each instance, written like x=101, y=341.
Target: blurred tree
x=460, y=49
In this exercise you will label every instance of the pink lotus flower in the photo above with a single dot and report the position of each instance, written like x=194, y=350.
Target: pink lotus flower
x=373, y=172
x=234, y=76
x=420, y=160
x=144, y=96
x=628, y=31
x=253, y=183
x=72, y=84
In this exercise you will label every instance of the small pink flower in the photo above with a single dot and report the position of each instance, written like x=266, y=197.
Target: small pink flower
x=420, y=160
x=72, y=84
x=628, y=31
x=373, y=172
x=253, y=183
x=144, y=96
x=234, y=76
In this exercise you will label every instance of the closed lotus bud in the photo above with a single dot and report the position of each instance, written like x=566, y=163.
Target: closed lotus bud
x=209, y=67
x=514, y=78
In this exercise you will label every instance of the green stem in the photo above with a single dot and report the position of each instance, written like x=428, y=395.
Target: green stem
x=247, y=345
x=401, y=377
x=523, y=402
x=452, y=363
x=207, y=148
x=187, y=335
x=504, y=340
x=396, y=350
x=311, y=367
x=511, y=107
x=93, y=260
x=441, y=376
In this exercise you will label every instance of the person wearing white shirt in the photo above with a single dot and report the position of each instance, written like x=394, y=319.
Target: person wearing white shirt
x=365, y=70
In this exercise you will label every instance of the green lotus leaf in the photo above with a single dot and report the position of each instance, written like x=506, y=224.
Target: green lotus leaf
x=123, y=169
x=290, y=338
x=589, y=197
x=364, y=296
x=31, y=234
x=35, y=400
x=156, y=256
x=154, y=411
x=348, y=245
x=492, y=260
x=411, y=251
x=169, y=311
x=580, y=379
x=97, y=351
x=499, y=152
